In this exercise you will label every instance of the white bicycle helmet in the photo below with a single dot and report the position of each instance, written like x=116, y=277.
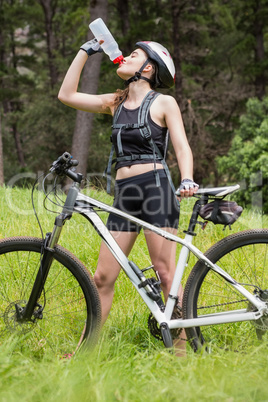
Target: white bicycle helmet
x=160, y=55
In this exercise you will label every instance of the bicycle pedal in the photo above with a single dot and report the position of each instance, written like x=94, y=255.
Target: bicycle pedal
x=148, y=268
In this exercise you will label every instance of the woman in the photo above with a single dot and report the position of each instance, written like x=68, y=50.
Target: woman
x=142, y=186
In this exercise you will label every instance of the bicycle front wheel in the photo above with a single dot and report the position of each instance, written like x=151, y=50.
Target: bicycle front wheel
x=244, y=256
x=68, y=313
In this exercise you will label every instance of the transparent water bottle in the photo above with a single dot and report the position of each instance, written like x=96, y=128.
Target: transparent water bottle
x=109, y=46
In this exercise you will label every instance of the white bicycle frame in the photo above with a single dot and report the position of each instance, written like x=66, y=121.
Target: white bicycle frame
x=85, y=205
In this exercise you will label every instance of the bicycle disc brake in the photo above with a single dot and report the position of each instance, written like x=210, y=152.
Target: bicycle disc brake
x=261, y=325
x=13, y=324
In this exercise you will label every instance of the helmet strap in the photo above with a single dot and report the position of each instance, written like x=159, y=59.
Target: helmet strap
x=138, y=75
x=146, y=79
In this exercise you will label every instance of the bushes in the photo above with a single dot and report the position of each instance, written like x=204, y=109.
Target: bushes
x=247, y=158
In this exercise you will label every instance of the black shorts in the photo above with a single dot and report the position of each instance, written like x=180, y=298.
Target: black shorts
x=140, y=197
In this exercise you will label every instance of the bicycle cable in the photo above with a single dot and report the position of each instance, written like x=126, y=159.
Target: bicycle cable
x=34, y=209
x=53, y=190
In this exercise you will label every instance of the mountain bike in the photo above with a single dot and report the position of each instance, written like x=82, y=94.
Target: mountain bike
x=49, y=301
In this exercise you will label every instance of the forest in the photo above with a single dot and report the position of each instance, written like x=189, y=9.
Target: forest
x=219, y=49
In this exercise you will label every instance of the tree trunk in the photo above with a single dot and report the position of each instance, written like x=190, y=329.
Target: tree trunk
x=260, y=80
x=49, y=7
x=176, y=9
x=2, y=180
x=90, y=81
x=18, y=145
x=123, y=11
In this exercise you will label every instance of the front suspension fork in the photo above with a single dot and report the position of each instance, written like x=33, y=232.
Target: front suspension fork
x=47, y=252
x=45, y=263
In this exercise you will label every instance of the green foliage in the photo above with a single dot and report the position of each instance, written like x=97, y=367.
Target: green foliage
x=45, y=128
x=217, y=45
x=118, y=371
x=247, y=159
x=43, y=125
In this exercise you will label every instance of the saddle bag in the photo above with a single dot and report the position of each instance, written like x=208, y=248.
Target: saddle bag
x=221, y=212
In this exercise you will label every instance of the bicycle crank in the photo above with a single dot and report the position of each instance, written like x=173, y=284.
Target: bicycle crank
x=166, y=335
x=155, y=328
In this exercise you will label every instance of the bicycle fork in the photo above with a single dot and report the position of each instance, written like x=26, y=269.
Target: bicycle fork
x=33, y=310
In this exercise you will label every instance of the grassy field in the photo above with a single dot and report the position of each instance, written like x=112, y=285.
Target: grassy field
x=128, y=364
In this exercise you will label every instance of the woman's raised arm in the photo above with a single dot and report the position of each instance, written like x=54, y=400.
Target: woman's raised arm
x=69, y=95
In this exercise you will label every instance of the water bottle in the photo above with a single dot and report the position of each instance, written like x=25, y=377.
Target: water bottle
x=109, y=46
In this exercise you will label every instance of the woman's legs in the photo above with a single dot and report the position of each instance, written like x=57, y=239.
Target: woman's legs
x=108, y=269
x=163, y=257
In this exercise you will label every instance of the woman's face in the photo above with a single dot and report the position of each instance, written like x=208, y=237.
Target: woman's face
x=131, y=64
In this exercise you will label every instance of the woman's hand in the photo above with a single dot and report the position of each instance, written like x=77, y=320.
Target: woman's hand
x=187, y=188
x=91, y=47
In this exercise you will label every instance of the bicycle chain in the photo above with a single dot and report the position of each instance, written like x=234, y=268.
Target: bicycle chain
x=223, y=304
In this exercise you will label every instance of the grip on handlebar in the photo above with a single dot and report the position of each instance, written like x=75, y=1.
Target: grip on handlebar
x=62, y=166
x=65, y=157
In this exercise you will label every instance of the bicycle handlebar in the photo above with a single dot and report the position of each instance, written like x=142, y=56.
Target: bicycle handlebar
x=64, y=165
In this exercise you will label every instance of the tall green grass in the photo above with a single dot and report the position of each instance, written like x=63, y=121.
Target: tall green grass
x=128, y=364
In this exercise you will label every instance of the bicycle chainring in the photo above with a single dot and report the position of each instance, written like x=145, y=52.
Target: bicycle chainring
x=154, y=327
x=177, y=314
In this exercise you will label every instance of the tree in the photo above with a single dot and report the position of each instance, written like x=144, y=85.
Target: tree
x=177, y=10
x=90, y=80
x=252, y=21
x=219, y=52
x=49, y=8
x=36, y=43
x=11, y=80
x=247, y=158
x=1, y=155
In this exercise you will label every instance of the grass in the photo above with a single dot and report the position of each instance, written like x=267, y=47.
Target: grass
x=128, y=364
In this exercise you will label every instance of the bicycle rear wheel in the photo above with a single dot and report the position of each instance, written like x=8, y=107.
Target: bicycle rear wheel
x=244, y=256
x=72, y=314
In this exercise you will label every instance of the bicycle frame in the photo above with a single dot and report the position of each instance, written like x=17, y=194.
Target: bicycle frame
x=84, y=205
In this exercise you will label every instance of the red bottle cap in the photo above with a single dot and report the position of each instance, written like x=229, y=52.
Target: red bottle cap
x=119, y=60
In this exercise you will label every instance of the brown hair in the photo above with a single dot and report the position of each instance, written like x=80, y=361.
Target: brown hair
x=120, y=96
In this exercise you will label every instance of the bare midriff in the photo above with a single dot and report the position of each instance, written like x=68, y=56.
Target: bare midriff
x=134, y=170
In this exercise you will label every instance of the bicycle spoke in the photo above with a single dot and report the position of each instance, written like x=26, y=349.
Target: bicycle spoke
x=244, y=257
x=65, y=315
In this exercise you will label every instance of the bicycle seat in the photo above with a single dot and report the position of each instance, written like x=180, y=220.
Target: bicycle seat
x=218, y=191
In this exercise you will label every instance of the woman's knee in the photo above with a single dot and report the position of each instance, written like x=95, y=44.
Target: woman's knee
x=164, y=272
x=105, y=277
x=103, y=280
